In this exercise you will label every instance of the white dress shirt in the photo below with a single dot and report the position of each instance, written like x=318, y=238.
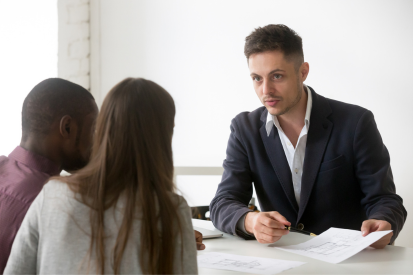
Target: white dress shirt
x=295, y=156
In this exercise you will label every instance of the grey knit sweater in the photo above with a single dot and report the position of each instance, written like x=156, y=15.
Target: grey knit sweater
x=54, y=237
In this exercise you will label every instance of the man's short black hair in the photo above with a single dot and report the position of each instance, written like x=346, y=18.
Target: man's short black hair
x=52, y=99
x=276, y=37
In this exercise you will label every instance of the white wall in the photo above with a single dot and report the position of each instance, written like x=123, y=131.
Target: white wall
x=74, y=41
x=28, y=55
x=359, y=52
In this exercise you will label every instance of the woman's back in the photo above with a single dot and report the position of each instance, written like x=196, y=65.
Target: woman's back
x=57, y=226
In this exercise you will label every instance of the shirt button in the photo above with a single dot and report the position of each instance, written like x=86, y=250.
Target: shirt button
x=296, y=170
x=289, y=144
x=300, y=226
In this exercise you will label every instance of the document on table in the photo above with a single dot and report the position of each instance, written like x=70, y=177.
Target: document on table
x=335, y=245
x=247, y=264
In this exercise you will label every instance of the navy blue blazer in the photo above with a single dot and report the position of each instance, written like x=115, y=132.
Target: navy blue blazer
x=346, y=174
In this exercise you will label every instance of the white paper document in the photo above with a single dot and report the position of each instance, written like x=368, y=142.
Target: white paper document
x=247, y=264
x=335, y=245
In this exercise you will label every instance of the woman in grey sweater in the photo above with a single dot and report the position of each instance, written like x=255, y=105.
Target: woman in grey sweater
x=120, y=213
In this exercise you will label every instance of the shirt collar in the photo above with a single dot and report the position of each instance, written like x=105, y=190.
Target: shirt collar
x=35, y=161
x=272, y=120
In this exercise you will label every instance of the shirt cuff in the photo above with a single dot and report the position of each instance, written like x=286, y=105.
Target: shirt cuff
x=241, y=225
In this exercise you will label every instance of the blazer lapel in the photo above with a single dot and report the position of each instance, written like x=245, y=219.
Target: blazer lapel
x=317, y=139
x=278, y=160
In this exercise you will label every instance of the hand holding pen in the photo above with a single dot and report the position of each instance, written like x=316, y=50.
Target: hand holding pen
x=267, y=227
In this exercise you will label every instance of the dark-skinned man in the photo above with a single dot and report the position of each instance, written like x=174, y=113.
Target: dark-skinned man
x=58, y=119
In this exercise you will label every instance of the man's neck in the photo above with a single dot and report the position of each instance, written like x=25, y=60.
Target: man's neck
x=293, y=122
x=43, y=146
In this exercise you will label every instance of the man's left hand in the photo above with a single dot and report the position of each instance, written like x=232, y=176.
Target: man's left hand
x=198, y=240
x=373, y=225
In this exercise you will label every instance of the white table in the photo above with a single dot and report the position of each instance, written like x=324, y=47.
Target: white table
x=391, y=260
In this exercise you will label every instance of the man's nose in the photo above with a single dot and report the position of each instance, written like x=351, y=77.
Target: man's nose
x=266, y=87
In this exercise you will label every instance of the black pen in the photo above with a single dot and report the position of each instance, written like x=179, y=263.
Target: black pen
x=293, y=229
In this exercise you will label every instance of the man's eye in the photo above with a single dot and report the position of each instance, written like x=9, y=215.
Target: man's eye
x=277, y=76
x=256, y=78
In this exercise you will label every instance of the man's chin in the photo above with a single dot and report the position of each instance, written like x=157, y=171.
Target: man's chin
x=274, y=111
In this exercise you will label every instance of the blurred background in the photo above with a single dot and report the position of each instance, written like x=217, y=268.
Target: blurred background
x=359, y=52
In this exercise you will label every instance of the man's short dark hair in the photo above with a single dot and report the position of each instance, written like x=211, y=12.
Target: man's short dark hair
x=276, y=37
x=52, y=99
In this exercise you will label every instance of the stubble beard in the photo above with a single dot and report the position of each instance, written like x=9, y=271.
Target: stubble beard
x=295, y=101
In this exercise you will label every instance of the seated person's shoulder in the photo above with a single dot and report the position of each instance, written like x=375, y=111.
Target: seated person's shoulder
x=180, y=202
x=57, y=188
x=3, y=159
x=342, y=108
x=249, y=119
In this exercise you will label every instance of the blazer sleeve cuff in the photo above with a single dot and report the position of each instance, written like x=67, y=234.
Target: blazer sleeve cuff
x=239, y=229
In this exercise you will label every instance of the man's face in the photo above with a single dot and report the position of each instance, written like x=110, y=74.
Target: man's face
x=277, y=83
x=86, y=137
x=78, y=155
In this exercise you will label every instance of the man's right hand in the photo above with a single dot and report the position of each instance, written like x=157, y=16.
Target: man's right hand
x=267, y=227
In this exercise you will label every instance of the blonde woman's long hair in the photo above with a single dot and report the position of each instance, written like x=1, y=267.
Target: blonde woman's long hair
x=132, y=157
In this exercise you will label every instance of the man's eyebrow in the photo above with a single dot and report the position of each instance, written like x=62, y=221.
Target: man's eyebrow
x=276, y=70
x=273, y=71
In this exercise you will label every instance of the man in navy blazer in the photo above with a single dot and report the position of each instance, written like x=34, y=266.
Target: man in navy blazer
x=315, y=162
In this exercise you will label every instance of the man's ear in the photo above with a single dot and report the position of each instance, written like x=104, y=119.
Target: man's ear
x=66, y=126
x=304, y=70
